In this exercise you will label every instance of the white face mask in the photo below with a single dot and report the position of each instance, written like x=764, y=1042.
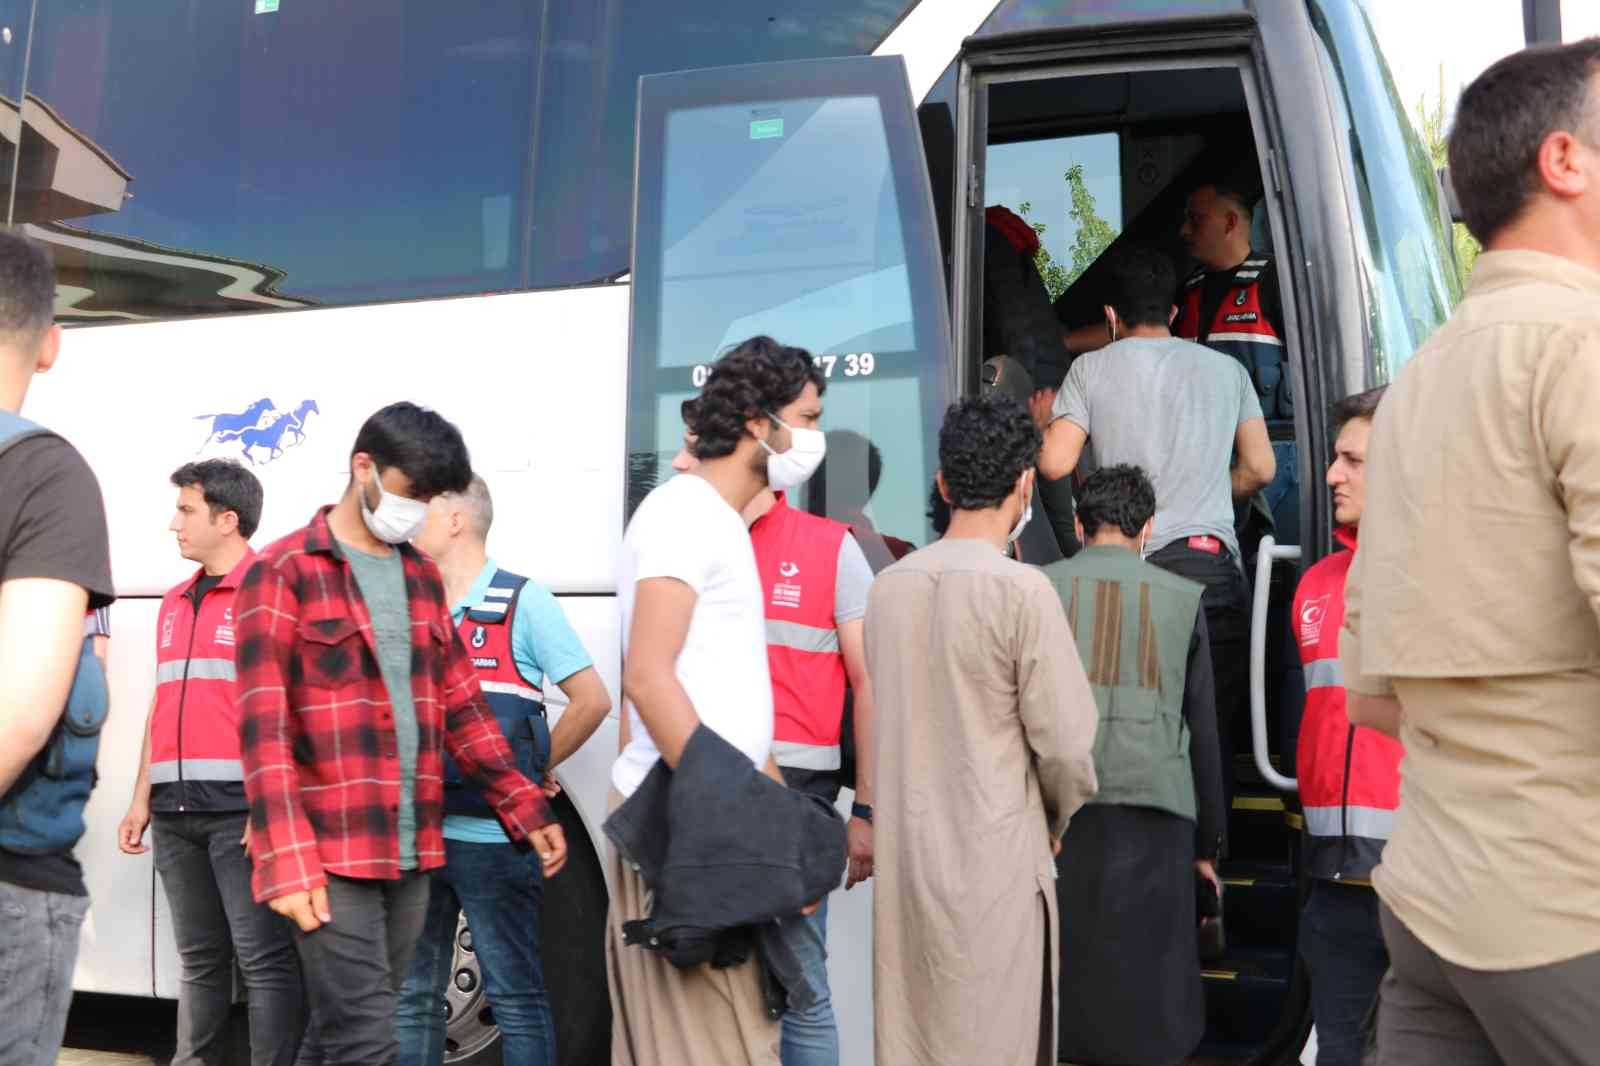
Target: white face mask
x=1022, y=521
x=790, y=469
x=396, y=518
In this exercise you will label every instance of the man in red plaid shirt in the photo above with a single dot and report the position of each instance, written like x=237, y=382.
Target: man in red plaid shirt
x=352, y=686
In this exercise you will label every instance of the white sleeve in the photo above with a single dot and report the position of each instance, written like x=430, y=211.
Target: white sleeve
x=674, y=543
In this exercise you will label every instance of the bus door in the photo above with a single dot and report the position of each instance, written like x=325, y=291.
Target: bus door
x=791, y=199
x=1095, y=136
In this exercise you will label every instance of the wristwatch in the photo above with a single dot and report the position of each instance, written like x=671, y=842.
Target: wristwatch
x=862, y=811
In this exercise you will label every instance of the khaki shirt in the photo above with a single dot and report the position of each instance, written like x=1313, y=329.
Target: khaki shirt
x=1473, y=598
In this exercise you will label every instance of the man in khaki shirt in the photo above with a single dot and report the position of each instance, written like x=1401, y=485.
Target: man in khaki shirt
x=1471, y=627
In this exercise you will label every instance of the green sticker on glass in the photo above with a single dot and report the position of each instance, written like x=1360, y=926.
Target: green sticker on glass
x=266, y=7
x=764, y=129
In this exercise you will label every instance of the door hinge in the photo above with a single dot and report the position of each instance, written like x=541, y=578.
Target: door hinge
x=1272, y=168
x=972, y=185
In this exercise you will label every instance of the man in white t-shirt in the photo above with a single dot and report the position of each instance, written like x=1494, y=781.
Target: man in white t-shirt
x=694, y=651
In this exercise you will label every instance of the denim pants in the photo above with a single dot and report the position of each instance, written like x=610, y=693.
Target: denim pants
x=355, y=964
x=502, y=892
x=810, y=1034
x=1226, y=604
x=38, y=950
x=1342, y=944
x=206, y=875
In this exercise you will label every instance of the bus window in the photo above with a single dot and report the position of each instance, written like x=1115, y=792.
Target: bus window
x=186, y=158
x=1069, y=190
x=596, y=53
x=746, y=223
x=1406, y=255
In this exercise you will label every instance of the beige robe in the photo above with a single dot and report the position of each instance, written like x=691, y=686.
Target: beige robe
x=984, y=730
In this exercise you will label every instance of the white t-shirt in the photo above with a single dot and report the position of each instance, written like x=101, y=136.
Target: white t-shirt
x=685, y=530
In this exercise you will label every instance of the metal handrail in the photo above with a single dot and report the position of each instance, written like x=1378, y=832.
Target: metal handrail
x=1268, y=553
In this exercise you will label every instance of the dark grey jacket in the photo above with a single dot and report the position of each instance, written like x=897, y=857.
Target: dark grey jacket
x=723, y=848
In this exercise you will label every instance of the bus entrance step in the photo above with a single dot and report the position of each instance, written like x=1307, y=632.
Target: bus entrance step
x=1245, y=994
x=1257, y=829
x=1260, y=904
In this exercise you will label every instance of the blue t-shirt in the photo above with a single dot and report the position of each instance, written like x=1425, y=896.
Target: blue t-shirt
x=543, y=645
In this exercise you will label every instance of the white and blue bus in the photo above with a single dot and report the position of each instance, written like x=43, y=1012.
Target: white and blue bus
x=544, y=217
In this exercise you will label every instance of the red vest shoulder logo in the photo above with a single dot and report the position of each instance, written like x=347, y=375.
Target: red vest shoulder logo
x=1312, y=615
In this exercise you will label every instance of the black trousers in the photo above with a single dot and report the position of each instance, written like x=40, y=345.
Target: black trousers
x=354, y=966
x=1226, y=603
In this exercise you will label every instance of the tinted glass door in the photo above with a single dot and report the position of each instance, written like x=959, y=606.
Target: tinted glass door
x=791, y=199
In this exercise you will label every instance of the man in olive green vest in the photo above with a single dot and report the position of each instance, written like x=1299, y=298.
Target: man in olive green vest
x=1130, y=966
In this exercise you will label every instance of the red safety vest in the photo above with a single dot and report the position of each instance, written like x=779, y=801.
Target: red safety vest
x=1349, y=775
x=516, y=702
x=797, y=555
x=194, y=729
x=1240, y=328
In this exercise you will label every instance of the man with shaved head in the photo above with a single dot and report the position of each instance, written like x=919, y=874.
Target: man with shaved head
x=517, y=636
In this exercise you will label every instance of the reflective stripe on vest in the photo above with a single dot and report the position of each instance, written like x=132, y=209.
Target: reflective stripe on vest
x=797, y=557
x=1374, y=823
x=797, y=756
x=195, y=670
x=1324, y=673
x=164, y=773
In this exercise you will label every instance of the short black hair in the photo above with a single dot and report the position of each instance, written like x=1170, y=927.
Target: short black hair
x=1140, y=284
x=1361, y=405
x=985, y=444
x=1235, y=184
x=752, y=379
x=1119, y=496
x=27, y=288
x=422, y=444
x=226, y=486
x=1505, y=115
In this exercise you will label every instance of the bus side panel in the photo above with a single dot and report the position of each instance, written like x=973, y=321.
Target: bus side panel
x=535, y=381
x=115, y=950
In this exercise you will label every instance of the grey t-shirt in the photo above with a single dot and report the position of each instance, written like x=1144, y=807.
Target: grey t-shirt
x=1172, y=407
x=382, y=581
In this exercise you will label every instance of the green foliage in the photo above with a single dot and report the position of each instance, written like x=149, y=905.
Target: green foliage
x=1094, y=236
x=1431, y=128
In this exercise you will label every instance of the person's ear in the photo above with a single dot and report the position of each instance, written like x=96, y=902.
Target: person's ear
x=227, y=523
x=49, y=348
x=1077, y=527
x=1172, y=315
x=944, y=490
x=1111, y=321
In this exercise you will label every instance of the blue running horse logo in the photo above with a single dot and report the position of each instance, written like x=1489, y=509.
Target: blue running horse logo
x=261, y=425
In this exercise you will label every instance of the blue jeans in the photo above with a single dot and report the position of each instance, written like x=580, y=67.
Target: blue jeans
x=810, y=1035
x=1342, y=944
x=38, y=950
x=502, y=891
x=1283, y=494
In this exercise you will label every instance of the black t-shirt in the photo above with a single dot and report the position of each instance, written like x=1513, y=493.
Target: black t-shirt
x=206, y=583
x=1217, y=283
x=52, y=524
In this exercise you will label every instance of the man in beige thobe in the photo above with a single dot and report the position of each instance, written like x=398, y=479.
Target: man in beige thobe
x=986, y=722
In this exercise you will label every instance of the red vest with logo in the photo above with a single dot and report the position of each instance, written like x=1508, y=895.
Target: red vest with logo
x=1240, y=328
x=1349, y=775
x=515, y=701
x=194, y=729
x=797, y=555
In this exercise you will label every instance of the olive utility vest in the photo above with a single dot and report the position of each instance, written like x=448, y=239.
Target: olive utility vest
x=1132, y=622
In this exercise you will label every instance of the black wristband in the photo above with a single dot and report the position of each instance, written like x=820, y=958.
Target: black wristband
x=862, y=811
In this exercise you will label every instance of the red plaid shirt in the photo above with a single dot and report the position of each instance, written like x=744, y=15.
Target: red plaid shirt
x=321, y=769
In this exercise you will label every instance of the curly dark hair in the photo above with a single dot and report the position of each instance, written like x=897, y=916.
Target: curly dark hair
x=753, y=379
x=1119, y=496
x=985, y=444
